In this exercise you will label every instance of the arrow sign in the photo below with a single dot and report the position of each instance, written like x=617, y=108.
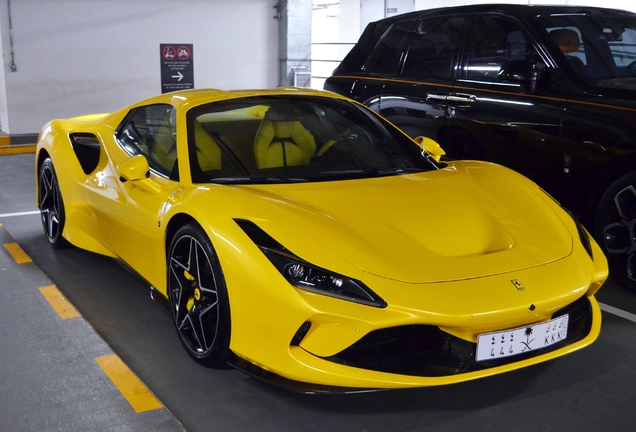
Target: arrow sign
x=177, y=71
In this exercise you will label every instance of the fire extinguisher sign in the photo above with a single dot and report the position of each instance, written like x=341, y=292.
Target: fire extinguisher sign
x=177, y=70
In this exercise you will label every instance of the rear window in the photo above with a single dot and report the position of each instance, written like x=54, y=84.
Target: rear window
x=385, y=58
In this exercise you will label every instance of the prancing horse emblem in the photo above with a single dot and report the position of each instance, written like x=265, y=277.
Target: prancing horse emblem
x=517, y=284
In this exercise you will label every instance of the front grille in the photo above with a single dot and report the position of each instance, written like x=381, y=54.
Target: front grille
x=422, y=350
x=406, y=349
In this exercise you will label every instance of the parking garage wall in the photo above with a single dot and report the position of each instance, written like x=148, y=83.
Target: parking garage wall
x=75, y=57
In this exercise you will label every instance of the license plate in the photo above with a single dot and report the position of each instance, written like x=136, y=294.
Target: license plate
x=491, y=346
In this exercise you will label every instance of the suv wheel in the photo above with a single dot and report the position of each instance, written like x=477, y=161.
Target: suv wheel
x=615, y=228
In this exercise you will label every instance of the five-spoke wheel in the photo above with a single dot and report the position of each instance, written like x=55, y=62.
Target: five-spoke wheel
x=198, y=297
x=615, y=228
x=51, y=205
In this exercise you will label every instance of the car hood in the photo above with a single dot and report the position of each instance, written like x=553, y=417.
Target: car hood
x=469, y=220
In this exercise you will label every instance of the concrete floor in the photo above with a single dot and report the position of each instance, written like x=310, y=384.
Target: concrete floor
x=49, y=379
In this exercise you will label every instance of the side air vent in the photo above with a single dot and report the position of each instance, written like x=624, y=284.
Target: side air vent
x=87, y=149
x=300, y=334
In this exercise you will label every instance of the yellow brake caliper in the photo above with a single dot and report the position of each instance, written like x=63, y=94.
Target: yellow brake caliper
x=190, y=303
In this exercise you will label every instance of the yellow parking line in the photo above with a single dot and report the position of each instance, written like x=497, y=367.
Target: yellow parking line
x=135, y=392
x=17, y=253
x=17, y=149
x=59, y=303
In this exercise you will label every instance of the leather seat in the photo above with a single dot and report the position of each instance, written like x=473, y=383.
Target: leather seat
x=568, y=42
x=282, y=141
x=207, y=150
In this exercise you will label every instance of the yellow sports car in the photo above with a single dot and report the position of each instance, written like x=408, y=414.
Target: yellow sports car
x=303, y=239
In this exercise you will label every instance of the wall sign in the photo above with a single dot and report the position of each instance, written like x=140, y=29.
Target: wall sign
x=177, y=70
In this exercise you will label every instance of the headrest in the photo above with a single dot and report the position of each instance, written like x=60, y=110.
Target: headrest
x=284, y=113
x=567, y=40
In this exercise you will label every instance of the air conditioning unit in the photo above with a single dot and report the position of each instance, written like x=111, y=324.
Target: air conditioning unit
x=300, y=76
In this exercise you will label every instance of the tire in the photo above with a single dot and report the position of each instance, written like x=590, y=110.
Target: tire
x=615, y=228
x=51, y=205
x=198, y=297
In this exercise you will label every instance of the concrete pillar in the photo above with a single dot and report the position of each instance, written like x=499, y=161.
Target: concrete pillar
x=294, y=38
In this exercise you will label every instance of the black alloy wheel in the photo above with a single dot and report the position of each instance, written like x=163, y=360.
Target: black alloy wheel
x=51, y=205
x=198, y=297
x=615, y=228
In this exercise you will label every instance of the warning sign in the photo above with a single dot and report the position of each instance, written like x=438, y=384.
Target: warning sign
x=177, y=71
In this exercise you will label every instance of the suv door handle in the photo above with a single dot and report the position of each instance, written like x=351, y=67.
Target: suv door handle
x=462, y=98
x=441, y=97
x=452, y=98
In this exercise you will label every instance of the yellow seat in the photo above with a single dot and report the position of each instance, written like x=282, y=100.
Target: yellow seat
x=283, y=143
x=164, y=147
x=208, y=151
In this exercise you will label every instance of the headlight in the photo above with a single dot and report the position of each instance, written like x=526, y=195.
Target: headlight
x=309, y=277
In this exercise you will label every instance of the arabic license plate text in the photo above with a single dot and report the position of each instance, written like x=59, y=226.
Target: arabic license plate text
x=521, y=340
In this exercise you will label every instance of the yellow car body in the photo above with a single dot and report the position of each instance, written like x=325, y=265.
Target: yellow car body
x=462, y=250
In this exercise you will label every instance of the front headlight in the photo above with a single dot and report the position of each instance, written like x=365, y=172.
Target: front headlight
x=307, y=276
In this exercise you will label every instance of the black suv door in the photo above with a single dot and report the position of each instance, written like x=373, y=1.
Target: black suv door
x=517, y=124
x=374, y=60
x=416, y=99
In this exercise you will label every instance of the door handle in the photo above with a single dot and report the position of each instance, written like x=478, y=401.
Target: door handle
x=452, y=97
x=441, y=97
x=462, y=98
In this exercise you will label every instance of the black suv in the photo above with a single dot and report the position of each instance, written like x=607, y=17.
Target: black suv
x=549, y=91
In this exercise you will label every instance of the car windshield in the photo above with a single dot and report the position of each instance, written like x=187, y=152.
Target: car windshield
x=274, y=139
x=601, y=48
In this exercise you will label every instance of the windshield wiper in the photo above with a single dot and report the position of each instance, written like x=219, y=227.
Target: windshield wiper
x=256, y=179
x=341, y=174
x=401, y=170
x=359, y=173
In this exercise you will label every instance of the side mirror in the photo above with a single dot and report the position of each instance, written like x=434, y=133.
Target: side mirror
x=136, y=170
x=431, y=147
x=520, y=71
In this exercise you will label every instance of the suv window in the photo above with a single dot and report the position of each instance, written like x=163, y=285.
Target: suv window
x=385, y=58
x=623, y=46
x=433, y=48
x=150, y=131
x=493, y=40
x=601, y=48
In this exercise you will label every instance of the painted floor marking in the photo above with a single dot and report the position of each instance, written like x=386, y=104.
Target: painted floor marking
x=17, y=253
x=135, y=392
x=59, y=303
x=29, y=213
x=618, y=312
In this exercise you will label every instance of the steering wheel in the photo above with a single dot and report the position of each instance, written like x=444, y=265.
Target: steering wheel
x=357, y=133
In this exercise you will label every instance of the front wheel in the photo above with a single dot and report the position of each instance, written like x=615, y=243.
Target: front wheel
x=198, y=297
x=615, y=228
x=51, y=205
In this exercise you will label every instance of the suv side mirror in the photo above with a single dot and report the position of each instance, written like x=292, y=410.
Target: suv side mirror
x=524, y=72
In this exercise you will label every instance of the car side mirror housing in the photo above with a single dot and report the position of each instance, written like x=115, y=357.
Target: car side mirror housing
x=524, y=72
x=431, y=147
x=137, y=170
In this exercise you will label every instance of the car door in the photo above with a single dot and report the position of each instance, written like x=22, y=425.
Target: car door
x=512, y=123
x=416, y=99
x=128, y=211
x=374, y=60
